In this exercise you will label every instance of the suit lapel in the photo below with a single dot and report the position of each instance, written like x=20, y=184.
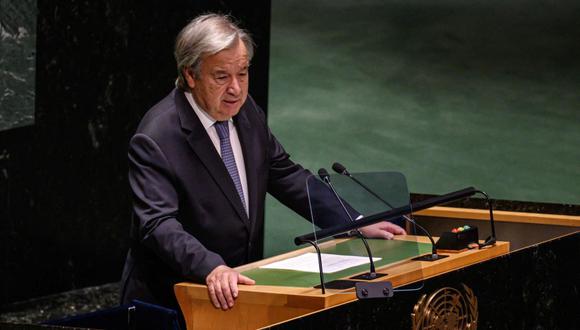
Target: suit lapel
x=203, y=147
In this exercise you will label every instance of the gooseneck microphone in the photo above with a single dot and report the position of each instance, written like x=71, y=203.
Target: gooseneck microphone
x=490, y=240
x=340, y=169
x=324, y=176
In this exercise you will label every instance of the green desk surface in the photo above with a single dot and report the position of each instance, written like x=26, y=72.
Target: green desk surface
x=390, y=251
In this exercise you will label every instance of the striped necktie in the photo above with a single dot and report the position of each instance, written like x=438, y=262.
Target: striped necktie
x=223, y=131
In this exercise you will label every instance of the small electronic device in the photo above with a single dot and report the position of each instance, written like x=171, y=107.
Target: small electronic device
x=460, y=238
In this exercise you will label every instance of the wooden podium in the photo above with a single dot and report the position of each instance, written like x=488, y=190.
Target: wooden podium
x=282, y=295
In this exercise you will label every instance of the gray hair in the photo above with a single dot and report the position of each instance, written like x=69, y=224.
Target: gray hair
x=206, y=35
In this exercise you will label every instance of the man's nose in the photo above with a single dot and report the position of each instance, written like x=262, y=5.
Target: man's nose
x=234, y=87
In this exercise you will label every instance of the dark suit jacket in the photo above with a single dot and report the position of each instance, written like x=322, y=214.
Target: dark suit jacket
x=188, y=218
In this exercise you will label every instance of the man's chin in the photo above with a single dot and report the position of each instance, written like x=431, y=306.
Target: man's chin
x=230, y=109
x=226, y=114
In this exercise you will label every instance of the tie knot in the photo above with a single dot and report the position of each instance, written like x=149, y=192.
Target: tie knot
x=223, y=129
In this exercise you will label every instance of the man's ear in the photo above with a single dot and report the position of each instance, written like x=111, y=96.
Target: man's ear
x=189, y=77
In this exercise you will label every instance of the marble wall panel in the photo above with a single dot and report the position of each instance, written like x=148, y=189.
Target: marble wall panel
x=17, y=62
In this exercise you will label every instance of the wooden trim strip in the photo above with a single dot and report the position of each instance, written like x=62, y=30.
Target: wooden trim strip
x=502, y=216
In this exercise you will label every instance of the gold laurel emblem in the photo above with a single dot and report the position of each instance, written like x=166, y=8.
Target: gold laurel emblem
x=446, y=308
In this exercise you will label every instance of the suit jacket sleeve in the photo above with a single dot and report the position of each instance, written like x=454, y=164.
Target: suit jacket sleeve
x=155, y=203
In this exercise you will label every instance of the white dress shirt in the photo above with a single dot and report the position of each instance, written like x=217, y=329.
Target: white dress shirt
x=208, y=123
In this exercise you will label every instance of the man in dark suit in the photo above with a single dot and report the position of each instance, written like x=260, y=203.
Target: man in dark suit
x=201, y=162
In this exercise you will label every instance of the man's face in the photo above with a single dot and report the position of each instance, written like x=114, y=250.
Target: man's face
x=222, y=85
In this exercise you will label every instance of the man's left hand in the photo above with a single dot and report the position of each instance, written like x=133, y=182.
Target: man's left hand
x=383, y=229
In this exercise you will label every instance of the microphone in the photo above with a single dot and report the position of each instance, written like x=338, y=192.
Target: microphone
x=324, y=176
x=490, y=240
x=340, y=169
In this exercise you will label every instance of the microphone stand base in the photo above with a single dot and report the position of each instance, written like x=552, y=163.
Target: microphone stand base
x=430, y=257
x=368, y=276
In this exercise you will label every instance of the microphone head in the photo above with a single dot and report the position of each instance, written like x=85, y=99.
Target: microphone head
x=340, y=169
x=323, y=174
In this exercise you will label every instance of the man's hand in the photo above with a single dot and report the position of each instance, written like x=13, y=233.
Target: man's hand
x=383, y=229
x=222, y=286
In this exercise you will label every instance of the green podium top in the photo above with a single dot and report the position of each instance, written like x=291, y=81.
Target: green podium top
x=389, y=251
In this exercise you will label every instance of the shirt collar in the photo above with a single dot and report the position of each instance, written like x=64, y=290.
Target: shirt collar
x=206, y=120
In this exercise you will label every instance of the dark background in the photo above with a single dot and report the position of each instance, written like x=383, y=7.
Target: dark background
x=64, y=199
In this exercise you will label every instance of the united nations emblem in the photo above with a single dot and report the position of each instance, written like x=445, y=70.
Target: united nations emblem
x=446, y=308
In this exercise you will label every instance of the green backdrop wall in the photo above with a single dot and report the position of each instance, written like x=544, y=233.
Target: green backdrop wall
x=450, y=93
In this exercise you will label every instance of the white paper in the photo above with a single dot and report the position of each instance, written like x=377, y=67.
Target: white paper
x=308, y=262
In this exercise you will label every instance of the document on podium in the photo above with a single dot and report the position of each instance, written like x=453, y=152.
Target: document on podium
x=308, y=262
